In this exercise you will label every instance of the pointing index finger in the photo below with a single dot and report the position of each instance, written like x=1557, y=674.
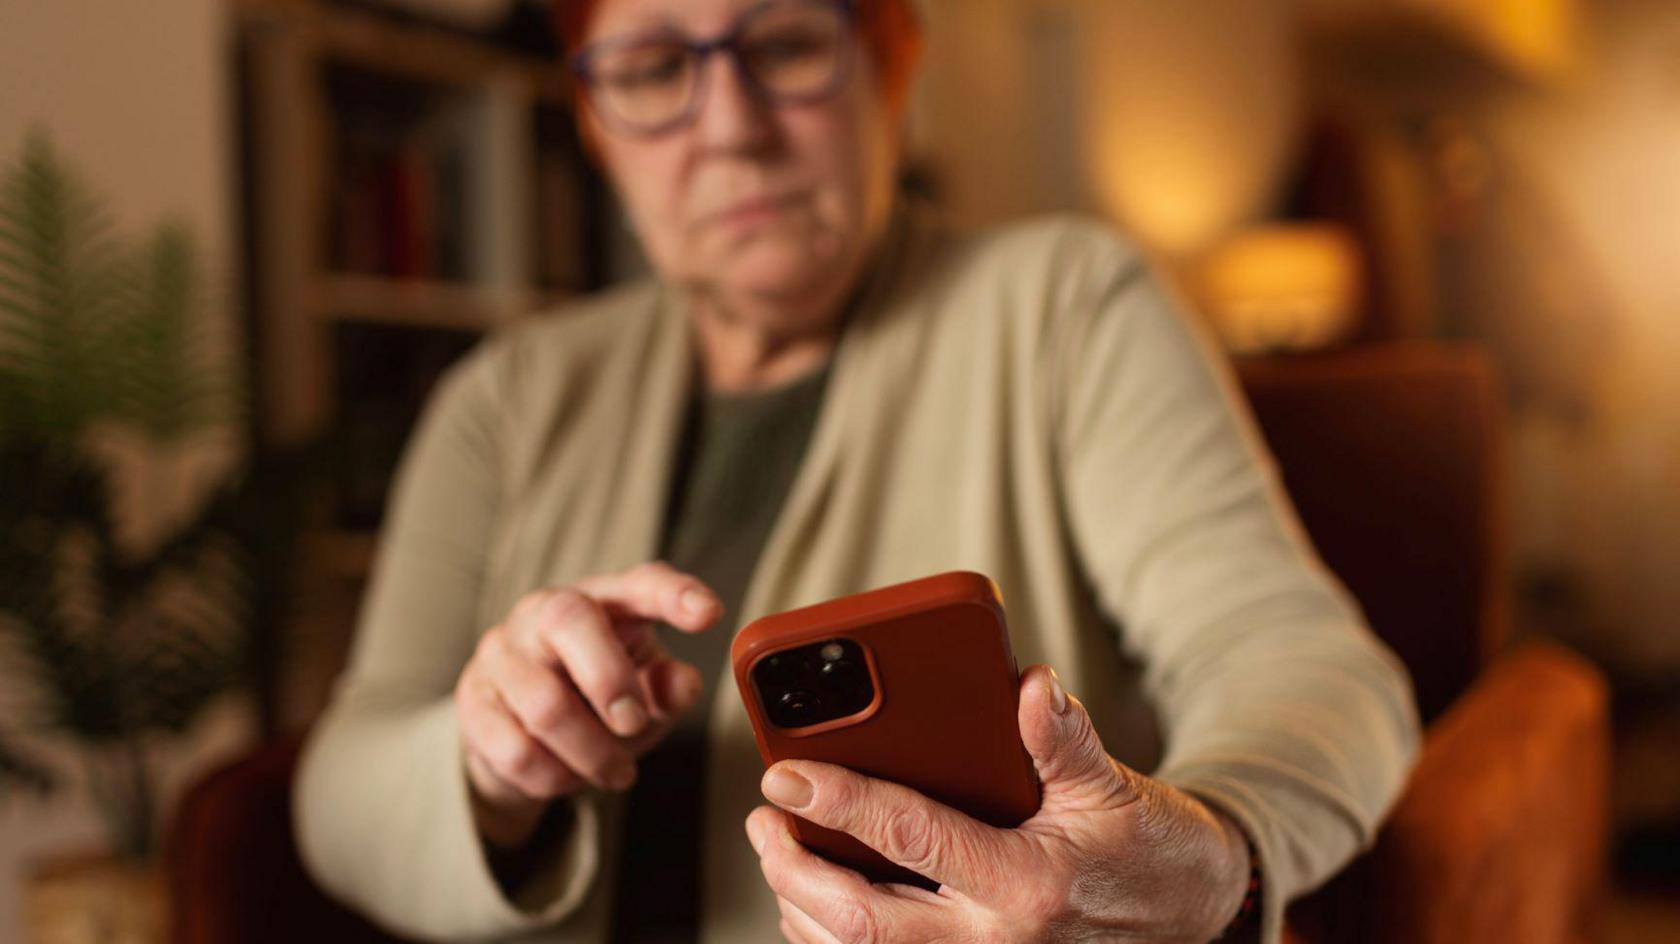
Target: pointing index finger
x=656, y=591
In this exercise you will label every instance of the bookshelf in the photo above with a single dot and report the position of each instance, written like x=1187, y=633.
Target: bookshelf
x=406, y=189
x=422, y=302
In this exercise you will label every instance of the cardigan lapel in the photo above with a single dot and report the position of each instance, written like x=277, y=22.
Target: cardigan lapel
x=660, y=374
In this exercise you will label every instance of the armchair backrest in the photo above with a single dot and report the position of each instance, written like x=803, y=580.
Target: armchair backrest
x=1392, y=454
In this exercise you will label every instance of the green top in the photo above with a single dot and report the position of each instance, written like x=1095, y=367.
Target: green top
x=738, y=458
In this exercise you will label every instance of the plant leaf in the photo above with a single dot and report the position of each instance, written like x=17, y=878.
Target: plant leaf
x=173, y=387
x=61, y=272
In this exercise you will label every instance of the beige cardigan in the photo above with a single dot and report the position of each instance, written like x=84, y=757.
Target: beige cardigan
x=1026, y=403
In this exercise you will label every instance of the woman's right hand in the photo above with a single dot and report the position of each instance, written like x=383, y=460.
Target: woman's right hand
x=571, y=688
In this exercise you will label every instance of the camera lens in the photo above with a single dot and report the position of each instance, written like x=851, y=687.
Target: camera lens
x=841, y=672
x=777, y=669
x=798, y=708
x=847, y=685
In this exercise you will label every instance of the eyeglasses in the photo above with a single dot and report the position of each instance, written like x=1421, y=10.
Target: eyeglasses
x=787, y=51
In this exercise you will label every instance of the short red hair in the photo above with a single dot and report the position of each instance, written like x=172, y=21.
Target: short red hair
x=890, y=28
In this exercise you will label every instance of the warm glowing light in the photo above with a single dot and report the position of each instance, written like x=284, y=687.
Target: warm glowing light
x=1282, y=286
x=1539, y=37
x=1189, y=129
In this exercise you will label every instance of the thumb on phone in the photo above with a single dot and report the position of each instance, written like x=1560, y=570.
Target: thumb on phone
x=1074, y=769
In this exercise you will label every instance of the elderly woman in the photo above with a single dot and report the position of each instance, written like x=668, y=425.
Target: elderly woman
x=826, y=390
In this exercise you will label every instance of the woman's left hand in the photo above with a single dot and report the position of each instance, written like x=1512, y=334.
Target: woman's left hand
x=1109, y=854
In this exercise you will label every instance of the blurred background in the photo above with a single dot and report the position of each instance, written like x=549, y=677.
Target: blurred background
x=295, y=213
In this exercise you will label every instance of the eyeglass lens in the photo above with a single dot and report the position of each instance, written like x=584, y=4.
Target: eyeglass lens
x=792, y=51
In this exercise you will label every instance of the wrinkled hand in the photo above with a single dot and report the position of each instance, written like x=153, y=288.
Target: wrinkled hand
x=570, y=688
x=1110, y=854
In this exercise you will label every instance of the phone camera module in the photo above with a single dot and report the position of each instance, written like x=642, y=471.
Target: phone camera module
x=811, y=684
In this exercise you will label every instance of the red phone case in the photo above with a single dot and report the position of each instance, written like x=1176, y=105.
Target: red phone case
x=943, y=719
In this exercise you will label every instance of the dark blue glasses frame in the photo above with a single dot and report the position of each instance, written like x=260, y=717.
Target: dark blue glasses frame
x=699, y=50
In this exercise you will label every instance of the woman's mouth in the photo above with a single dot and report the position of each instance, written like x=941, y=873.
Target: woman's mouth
x=755, y=210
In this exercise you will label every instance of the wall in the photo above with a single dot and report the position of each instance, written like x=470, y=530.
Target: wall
x=1545, y=215
x=135, y=93
x=1600, y=483
x=135, y=96
x=1175, y=119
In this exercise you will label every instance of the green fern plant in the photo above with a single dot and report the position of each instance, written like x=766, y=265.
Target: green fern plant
x=110, y=648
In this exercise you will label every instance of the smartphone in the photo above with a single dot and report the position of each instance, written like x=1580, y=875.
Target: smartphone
x=913, y=683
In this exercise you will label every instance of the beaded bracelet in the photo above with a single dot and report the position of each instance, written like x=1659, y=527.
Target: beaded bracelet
x=1251, y=896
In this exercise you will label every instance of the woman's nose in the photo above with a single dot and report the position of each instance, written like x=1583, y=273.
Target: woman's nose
x=734, y=115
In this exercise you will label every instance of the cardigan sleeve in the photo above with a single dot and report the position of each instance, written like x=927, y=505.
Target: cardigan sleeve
x=382, y=809
x=1277, y=704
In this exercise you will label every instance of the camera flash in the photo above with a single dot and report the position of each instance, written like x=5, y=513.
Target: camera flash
x=832, y=652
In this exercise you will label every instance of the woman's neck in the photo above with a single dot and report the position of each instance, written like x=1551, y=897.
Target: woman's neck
x=749, y=342
x=738, y=355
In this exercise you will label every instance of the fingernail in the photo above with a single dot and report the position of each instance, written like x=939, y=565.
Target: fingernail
x=786, y=839
x=688, y=691
x=787, y=789
x=755, y=835
x=695, y=600
x=1058, y=696
x=627, y=716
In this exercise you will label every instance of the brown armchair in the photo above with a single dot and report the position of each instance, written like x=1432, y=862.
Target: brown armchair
x=1392, y=456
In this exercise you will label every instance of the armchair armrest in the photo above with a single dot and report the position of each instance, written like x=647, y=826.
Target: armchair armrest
x=233, y=868
x=1500, y=833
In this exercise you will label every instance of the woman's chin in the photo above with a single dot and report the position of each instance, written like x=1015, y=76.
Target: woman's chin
x=777, y=273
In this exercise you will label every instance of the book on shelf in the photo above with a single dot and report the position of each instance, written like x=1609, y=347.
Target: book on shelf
x=384, y=375
x=399, y=207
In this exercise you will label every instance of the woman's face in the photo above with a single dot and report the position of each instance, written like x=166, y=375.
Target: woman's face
x=768, y=206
